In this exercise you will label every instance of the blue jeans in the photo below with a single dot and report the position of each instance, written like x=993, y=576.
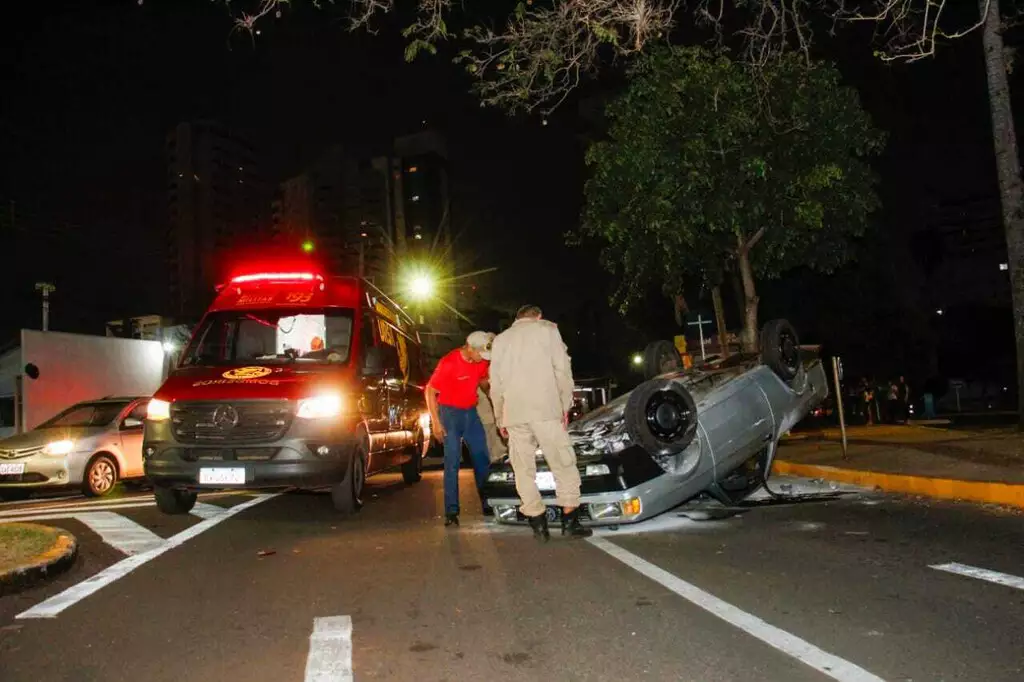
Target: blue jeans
x=462, y=425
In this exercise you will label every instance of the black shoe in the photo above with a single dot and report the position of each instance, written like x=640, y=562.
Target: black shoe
x=572, y=527
x=451, y=519
x=539, y=524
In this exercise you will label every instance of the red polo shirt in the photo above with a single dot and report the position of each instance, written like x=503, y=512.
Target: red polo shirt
x=456, y=380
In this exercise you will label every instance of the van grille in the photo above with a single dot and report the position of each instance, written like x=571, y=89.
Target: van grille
x=245, y=421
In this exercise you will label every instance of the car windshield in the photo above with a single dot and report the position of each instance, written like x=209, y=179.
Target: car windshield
x=85, y=415
x=307, y=336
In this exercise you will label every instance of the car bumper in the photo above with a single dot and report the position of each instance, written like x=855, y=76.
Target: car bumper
x=635, y=488
x=310, y=456
x=39, y=472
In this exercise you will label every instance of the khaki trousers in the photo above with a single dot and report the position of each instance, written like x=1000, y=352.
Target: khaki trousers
x=495, y=445
x=553, y=440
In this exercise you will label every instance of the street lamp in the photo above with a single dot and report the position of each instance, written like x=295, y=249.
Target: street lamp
x=638, y=359
x=421, y=287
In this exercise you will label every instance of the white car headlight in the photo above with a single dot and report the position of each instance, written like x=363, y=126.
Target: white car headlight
x=59, y=448
x=501, y=477
x=597, y=470
x=158, y=410
x=320, y=407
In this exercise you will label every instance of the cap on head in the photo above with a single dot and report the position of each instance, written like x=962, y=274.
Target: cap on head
x=481, y=343
x=528, y=311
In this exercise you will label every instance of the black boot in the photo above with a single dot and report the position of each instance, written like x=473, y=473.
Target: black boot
x=451, y=519
x=572, y=527
x=539, y=524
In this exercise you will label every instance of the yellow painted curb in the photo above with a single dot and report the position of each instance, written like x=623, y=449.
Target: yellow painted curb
x=1007, y=494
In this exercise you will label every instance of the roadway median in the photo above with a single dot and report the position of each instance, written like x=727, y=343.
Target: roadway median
x=985, y=467
x=31, y=553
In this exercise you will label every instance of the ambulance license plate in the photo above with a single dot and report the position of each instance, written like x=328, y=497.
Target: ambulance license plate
x=12, y=468
x=545, y=480
x=221, y=476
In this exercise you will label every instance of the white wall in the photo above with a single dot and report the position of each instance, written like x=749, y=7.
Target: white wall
x=10, y=367
x=76, y=367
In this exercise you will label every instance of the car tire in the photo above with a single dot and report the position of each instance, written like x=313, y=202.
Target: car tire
x=661, y=417
x=100, y=476
x=742, y=482
x=173, y=501
x=780, y=349
x=347, y=495
x=412, y=471
x=661, y=357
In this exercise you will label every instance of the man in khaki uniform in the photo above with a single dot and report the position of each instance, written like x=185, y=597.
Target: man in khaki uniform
x=495, y=444
x=531, y=388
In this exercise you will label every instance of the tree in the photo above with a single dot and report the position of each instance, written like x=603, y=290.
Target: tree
x=711, y=164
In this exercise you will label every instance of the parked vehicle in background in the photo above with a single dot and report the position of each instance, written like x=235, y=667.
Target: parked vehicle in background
x=291, y=379
x=91, y=445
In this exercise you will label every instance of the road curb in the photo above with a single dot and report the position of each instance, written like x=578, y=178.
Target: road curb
x=986, y=492
x=50, y=563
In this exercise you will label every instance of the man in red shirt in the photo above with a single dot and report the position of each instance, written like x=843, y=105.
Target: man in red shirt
x=451, y=400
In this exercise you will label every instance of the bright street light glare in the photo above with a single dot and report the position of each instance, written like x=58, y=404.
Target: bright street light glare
x=421, y=287
x=170, y=346
x=638, y=359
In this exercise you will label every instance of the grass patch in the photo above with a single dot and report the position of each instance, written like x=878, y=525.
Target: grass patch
x=20, y=542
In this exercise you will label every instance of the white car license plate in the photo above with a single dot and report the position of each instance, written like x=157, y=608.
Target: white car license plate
x=12, y=468
x=220, y=476
x=545, y=480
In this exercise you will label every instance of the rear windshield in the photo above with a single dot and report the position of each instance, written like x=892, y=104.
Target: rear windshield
x=85, y=415
x=306, y=336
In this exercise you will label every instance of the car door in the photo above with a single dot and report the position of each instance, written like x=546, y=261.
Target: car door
x=130, y=430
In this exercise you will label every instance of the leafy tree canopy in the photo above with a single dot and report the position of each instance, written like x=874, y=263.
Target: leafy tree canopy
x=708, y=159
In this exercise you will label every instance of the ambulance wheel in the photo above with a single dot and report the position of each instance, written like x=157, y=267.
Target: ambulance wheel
x=171, y=501
x=412, y=471
x=347, y=495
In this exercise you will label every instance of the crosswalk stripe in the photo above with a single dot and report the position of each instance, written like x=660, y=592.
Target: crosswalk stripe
x=206, y=511
x=1005, y=579
x=330, y=650
x=120, y=532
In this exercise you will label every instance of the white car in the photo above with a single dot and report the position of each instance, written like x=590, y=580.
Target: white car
x=92, y=445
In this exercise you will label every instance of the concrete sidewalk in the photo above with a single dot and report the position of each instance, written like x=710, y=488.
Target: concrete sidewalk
x=985, y=466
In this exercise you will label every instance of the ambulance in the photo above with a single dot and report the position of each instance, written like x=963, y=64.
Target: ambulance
x=293, y=378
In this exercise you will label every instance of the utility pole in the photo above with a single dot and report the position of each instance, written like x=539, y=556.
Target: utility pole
x=46, y=288
x=700, y=327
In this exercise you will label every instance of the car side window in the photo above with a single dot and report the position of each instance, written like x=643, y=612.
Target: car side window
x=138, y=412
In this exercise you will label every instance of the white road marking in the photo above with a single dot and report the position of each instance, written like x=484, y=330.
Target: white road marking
x=76, y=593
x=330, y=650
x=206, y=511
x=789, y=644
x=46, y=514
x=996, y=577
x=120, y=532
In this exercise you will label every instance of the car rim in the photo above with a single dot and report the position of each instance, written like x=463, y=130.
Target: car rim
x=667, y=415
x=101, y=476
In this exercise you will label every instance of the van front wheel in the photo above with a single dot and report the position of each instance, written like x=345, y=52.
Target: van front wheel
x=347, y=495
x=171, y=501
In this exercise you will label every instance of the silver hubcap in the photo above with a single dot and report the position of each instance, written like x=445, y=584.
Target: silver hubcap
x=101, y=476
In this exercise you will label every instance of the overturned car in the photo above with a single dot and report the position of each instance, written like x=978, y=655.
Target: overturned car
x=714, y=428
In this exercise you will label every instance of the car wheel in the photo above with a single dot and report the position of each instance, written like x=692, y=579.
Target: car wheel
x=412, y=471
x=661, y=417
x=661, y=357
x=347, y=495
x=780, y=349
x=172, y=501
x=100, y=476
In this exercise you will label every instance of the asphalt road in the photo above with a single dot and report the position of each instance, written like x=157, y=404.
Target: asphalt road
x=790, y=593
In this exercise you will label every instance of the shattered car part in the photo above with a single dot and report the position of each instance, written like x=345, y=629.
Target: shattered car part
x=714, y=428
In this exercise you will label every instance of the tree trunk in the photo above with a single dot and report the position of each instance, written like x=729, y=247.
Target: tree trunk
x=723, y=334
x=679, y=308
x=1011, y=189
x=737, y=290
x=750, y=299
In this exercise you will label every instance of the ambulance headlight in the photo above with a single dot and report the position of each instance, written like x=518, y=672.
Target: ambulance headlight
x=158, y=410
x=320, y=407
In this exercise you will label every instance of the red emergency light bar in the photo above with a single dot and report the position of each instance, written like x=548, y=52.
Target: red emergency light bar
x=278, y=277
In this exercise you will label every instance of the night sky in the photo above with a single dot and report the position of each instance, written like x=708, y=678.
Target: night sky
x=90, y=89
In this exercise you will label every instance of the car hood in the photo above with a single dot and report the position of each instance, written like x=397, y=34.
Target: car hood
x=272, y=381
x=37, y=438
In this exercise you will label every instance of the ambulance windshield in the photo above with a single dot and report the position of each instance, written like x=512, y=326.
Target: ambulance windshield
x=305, y=336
